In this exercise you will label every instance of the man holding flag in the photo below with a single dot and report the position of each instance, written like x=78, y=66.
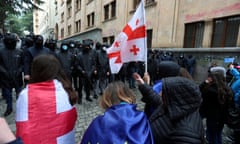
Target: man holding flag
x=130, y=44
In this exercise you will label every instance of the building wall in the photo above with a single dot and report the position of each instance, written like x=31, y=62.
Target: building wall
x=44, y=20
x=207, y=11
x=114, y=26
x=165, y=18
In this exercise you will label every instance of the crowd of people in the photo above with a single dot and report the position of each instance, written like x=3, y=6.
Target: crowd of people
x=50, y=81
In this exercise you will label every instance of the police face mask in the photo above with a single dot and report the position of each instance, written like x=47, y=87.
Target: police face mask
x=104, y=48
x=64, y=47
x=72, y=45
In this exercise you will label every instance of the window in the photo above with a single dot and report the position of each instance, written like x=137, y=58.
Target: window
x=135, y=3
x=62, y=33
x=62, y=17
x=149, y=38
x=113, y=11
x=111, y=39
x=78, y=5
x=225, y=32
x=93, y=17
x=106, y=12
x=78, y=26
x=56, y=7
x=90, y=19
x=69, y=10
x=149, y=2
x=108, y=40
x=105, y=40
x=193, y=36
x=111, y=7
x=69, y=29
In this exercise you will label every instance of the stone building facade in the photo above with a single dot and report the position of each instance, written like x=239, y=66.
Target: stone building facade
x=170, y=23
x=208, y=30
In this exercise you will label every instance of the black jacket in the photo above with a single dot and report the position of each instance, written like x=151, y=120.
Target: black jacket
x=11, y=67
x=179, y=121
x=66, y=60
x=211, y=107
x=30, y=54
x=86, y=63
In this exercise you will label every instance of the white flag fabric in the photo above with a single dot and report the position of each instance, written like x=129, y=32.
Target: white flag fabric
x=44, y=114
x=130, y=44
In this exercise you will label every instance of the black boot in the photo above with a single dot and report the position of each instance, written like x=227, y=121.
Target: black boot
x=88, y=99
x=95, y=96
x=8, y=112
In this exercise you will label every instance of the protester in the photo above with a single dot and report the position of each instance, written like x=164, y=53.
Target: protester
x=215, y=94
x=66, y=59
x=176, y=118
x=44, y=110
x=165, y=69
x=235, y=85
x=121, y=122
x=86, y=66
x=11, y=68
x=31, y=52
x=103, y=68
x=6, y=135
x=191, y=63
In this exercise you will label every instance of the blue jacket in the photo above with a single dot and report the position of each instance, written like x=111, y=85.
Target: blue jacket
x=236, y=85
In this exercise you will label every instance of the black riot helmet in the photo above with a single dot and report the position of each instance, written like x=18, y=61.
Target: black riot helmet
x=10, y=41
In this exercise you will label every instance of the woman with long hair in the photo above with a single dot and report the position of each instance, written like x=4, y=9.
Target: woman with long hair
x=121, y=122
x=215, y=94
x=44, y=109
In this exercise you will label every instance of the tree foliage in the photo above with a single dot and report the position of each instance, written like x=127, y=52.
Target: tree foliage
x=16, y=7
x=19, y=24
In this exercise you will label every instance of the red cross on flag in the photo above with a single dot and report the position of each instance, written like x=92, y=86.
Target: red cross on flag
x=44, y=114
x=130, y=44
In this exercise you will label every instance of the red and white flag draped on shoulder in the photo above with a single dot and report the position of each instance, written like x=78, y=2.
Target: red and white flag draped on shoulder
x=44, y=114
x=130, y=44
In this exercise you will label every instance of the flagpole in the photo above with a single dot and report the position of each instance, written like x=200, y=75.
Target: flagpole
x=145, y=41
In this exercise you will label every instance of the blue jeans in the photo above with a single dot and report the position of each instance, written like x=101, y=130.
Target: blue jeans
x=214, y=133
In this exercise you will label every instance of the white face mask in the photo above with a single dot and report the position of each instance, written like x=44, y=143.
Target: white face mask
x=104, y=48
x=72, y=45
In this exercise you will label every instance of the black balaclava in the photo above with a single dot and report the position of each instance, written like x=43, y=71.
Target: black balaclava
x=86, y=47
x=39, y=41
x=10, y=41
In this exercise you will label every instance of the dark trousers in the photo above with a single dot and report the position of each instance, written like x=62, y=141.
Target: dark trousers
x=7, y=92
x=214, y=132
x=86, y=84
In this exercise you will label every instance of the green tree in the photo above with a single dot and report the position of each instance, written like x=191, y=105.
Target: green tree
x=18, y=24
x=16, y=7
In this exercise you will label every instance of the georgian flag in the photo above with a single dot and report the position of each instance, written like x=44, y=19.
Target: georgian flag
x=130, y=44
x=44, y=114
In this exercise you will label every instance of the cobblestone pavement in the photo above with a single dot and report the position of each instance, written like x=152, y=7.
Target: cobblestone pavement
x=87, y=111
